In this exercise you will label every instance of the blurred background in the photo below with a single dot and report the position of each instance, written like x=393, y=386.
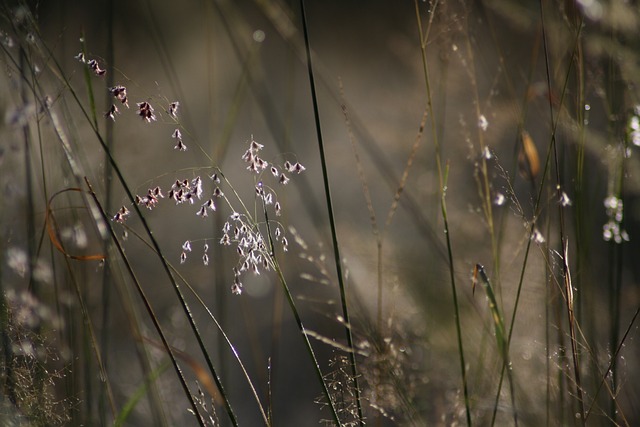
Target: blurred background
x=503, y=86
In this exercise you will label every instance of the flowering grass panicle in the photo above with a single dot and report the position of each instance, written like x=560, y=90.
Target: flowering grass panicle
x=251, y=237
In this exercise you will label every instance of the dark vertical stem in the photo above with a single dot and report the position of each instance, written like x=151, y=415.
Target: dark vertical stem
x=149, y=308
x=334, y=236
x=615, y=100
x=563, y=241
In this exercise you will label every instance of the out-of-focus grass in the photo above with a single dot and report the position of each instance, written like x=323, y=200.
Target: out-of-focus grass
x=501, y=133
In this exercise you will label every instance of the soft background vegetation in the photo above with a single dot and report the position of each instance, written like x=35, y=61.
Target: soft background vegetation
x=500, y=84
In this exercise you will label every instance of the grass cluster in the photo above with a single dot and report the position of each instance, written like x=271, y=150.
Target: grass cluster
x=263, y=235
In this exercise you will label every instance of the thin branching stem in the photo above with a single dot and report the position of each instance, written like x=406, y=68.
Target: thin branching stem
x=442, y=176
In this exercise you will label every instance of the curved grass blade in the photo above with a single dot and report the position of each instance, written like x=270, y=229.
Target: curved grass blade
x=128, y=407
x=501, y=338
x=218, y=326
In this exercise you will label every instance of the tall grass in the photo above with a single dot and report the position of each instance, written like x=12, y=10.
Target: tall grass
x=191, y=227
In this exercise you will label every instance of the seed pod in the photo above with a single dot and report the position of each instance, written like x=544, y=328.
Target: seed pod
x=528, y=160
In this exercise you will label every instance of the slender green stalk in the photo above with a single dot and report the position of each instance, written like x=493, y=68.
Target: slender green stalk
x=443, y=185
x=483, y=182
x=501, y=339
x=551, y=148
x=142, y=389
x=334, y=235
